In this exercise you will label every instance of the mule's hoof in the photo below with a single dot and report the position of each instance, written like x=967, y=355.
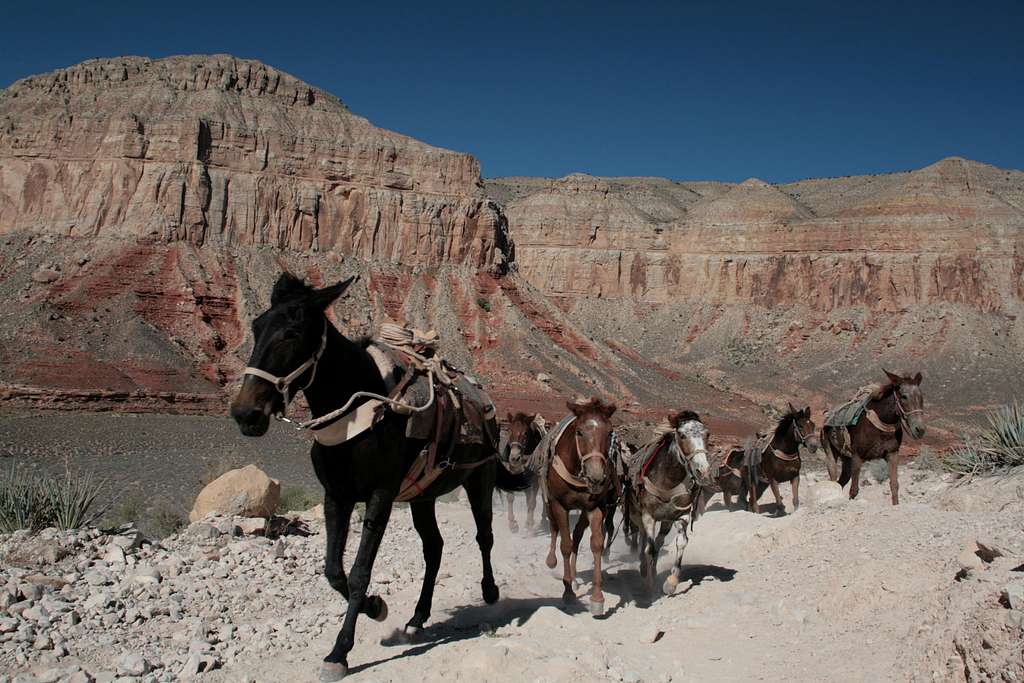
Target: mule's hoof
x=577, y=582
x=670, y=586
x=332, y=671
x=569, y=598
x=551, y=562
x=378, y=609
x=514, y=527
x=491, y=593
x=597, y=608
x=402, y=636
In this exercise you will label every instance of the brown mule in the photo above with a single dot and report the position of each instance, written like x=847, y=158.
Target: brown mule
x=524, y=435
x=728, y=481
x=580, y=476
x=891, y=410
x=779, y=461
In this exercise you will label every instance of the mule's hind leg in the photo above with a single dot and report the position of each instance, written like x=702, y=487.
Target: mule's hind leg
x=795, y=485
x=597, y=548
x=425, y=521
x=649, y=547
x=577, y=537
x=375, y=522
x=681, y=540
x=479, y=486
x=531, y=503
x=894, y=482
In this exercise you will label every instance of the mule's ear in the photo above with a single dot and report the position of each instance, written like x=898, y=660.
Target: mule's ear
x=792, y=410
x=575, y=407
x=288, y=286
x=894, y=378
x=807, y=412
x=918, y=378
x=322, y=298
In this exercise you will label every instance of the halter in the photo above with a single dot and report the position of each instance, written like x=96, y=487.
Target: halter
x=687, y=460
x=283, y=384
x=903, y=412
x=591, y=455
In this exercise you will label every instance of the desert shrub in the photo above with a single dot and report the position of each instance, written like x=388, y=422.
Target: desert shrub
x=71, y=499
x=31, y=500
x=165, y=518
x=927, y=459
x=879, y=470
x=21, y=502
x=484, y=304
x=998, y=447
x=296, y=498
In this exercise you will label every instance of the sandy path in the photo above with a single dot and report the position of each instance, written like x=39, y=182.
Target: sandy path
x=842, y=590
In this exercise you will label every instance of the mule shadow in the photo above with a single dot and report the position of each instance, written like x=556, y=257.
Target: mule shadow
x=467, y=622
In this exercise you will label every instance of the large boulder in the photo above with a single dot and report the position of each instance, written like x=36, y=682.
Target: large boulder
x=245, y=492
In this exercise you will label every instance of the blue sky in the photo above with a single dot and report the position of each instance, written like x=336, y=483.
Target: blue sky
x=687, y=90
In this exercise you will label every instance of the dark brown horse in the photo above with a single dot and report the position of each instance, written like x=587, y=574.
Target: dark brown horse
x=729, y=478
x=664, y=489
x=524, y=435
x=580, y=476
x=891, y=409
x=779, y=462
x=296, y=348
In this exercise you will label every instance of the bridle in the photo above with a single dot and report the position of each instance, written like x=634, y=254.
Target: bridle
x=903, y=412
x=687, y=460
x=581, y=474
x=283, y=384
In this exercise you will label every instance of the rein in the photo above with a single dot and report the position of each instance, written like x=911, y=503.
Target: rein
x=283, y=385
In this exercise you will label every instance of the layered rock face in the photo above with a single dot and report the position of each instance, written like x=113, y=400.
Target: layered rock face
x=230, y=151
x=953, y=231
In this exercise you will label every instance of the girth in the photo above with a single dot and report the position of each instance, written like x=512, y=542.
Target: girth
x=668, y=495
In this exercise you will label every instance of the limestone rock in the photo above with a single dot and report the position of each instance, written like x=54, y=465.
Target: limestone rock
x=244, y=492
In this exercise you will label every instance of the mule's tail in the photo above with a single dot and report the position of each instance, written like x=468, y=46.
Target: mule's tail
x=828, y=449
x=507, y=481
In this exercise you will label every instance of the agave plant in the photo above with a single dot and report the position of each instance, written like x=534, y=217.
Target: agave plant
x=21, y=501
x=997, y=448
x=30, y=500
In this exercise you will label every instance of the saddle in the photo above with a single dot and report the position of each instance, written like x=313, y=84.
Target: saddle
x=444, y=406
x=848, y=414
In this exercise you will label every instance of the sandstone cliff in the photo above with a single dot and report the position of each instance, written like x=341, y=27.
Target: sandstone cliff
x=953, y=231
x=231, y=151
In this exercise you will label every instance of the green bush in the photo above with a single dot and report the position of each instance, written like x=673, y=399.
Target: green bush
x=484, y=304
x=30, y=500
x=999, y=447
x=297, y=499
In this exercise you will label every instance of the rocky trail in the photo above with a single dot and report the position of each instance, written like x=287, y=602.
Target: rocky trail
x=839, y=590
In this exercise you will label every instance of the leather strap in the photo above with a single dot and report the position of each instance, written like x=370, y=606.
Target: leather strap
x=349, y=426
x=563, y=472
x=784, y=456
x=878, y=423
x=668, y=496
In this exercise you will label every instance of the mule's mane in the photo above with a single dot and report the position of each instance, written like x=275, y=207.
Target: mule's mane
x=593, y=405
x=682, y=418
x=877, y=391
x=786, y=420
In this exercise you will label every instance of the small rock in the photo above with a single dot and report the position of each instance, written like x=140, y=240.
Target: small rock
x=114, y=554
x=252, y=525
x=651, y=635
x=969, y=559
x=1013, y=594
x=45, y=275
x=145, y=574
x=133, y=664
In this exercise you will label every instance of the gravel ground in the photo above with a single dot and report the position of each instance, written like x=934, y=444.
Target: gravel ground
x=153, y=465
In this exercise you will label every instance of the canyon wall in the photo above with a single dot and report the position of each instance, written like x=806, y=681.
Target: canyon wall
x=953, y=231
x=233, y=152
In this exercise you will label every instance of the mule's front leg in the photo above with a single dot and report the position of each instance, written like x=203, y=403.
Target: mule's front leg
x=560, y=526
x=513, y=525
x=855, y=464
x=681, y=540
x=779, y=505
x=551, y=560
x=479, y=487
x=795, y=485
x=531, y=503
x=378, y=511
x=337, y=516
x=597, y=549
x=894, y=481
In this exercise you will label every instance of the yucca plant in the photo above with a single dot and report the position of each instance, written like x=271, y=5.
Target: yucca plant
x=997, y=448
x=21, y=502
x=71, y=500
